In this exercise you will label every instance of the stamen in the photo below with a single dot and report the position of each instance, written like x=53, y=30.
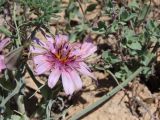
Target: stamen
x=63, y=53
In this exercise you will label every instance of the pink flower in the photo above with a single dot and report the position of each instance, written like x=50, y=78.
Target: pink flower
x=3, y=43
x=62, y=59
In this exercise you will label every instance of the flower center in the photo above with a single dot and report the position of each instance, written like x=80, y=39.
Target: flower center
x=61, y=58
x=63, y=53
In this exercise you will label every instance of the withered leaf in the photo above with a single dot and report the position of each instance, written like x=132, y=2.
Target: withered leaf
x=11, y=59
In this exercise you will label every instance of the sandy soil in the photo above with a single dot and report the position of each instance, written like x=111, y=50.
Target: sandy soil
x=138, y=103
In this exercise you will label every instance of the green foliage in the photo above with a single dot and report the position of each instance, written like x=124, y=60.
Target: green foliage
x=143, y=12
x=72, y=10
x=133, y=4
x=44, y=9
x=110, y=58
x=133, y=45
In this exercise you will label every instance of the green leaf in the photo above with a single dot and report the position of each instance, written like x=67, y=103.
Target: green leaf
x=151, y=26
x=135, y=46
x=130, y=36
x=145, y=10
x=126, y=70
x=5, y=31
x=91, y=7
x=101, y=24
x=82, y=27
x=72, y=10
x=15, y=117
x=101, y=27
x=130, y=16
x=110, y=3
x=123, y=14
x=119, y=75
x=2, y=2
x=146, y=71
x=109, y=57
x=114, y=26
x=73, y=37
x=146, y=57
x=133, y=4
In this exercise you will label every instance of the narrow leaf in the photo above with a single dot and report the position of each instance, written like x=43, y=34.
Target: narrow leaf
x=91, y=7
x=5, y=31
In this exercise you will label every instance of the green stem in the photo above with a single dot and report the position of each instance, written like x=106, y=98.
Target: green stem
x=114, y=78
x=32, y=76
x=14, y=92
x=18, y=42
x=21, y=108
x=84, y=17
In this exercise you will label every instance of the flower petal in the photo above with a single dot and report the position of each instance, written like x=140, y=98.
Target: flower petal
x=49, y=38
x=68, y=84
x=84, y=69
x=53, y=77
x=2, y=63
x=34, y=49
x=76, y=80
x=3, y=43
x=42, y=46
x=61, y=39
x=87, y=49
x=39, y=59
x=51, y=47
x=90, y=52
x=40, y=69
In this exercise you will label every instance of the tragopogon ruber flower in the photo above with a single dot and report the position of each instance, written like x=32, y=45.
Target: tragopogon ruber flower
x=3, y=43
x=62, y=59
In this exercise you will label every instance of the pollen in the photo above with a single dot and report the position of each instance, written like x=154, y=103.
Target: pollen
x=62, y=56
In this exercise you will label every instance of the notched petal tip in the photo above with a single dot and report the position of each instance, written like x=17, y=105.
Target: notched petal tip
x=61, y=38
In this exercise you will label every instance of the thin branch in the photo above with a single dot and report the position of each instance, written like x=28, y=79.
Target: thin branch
x=82, y=10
